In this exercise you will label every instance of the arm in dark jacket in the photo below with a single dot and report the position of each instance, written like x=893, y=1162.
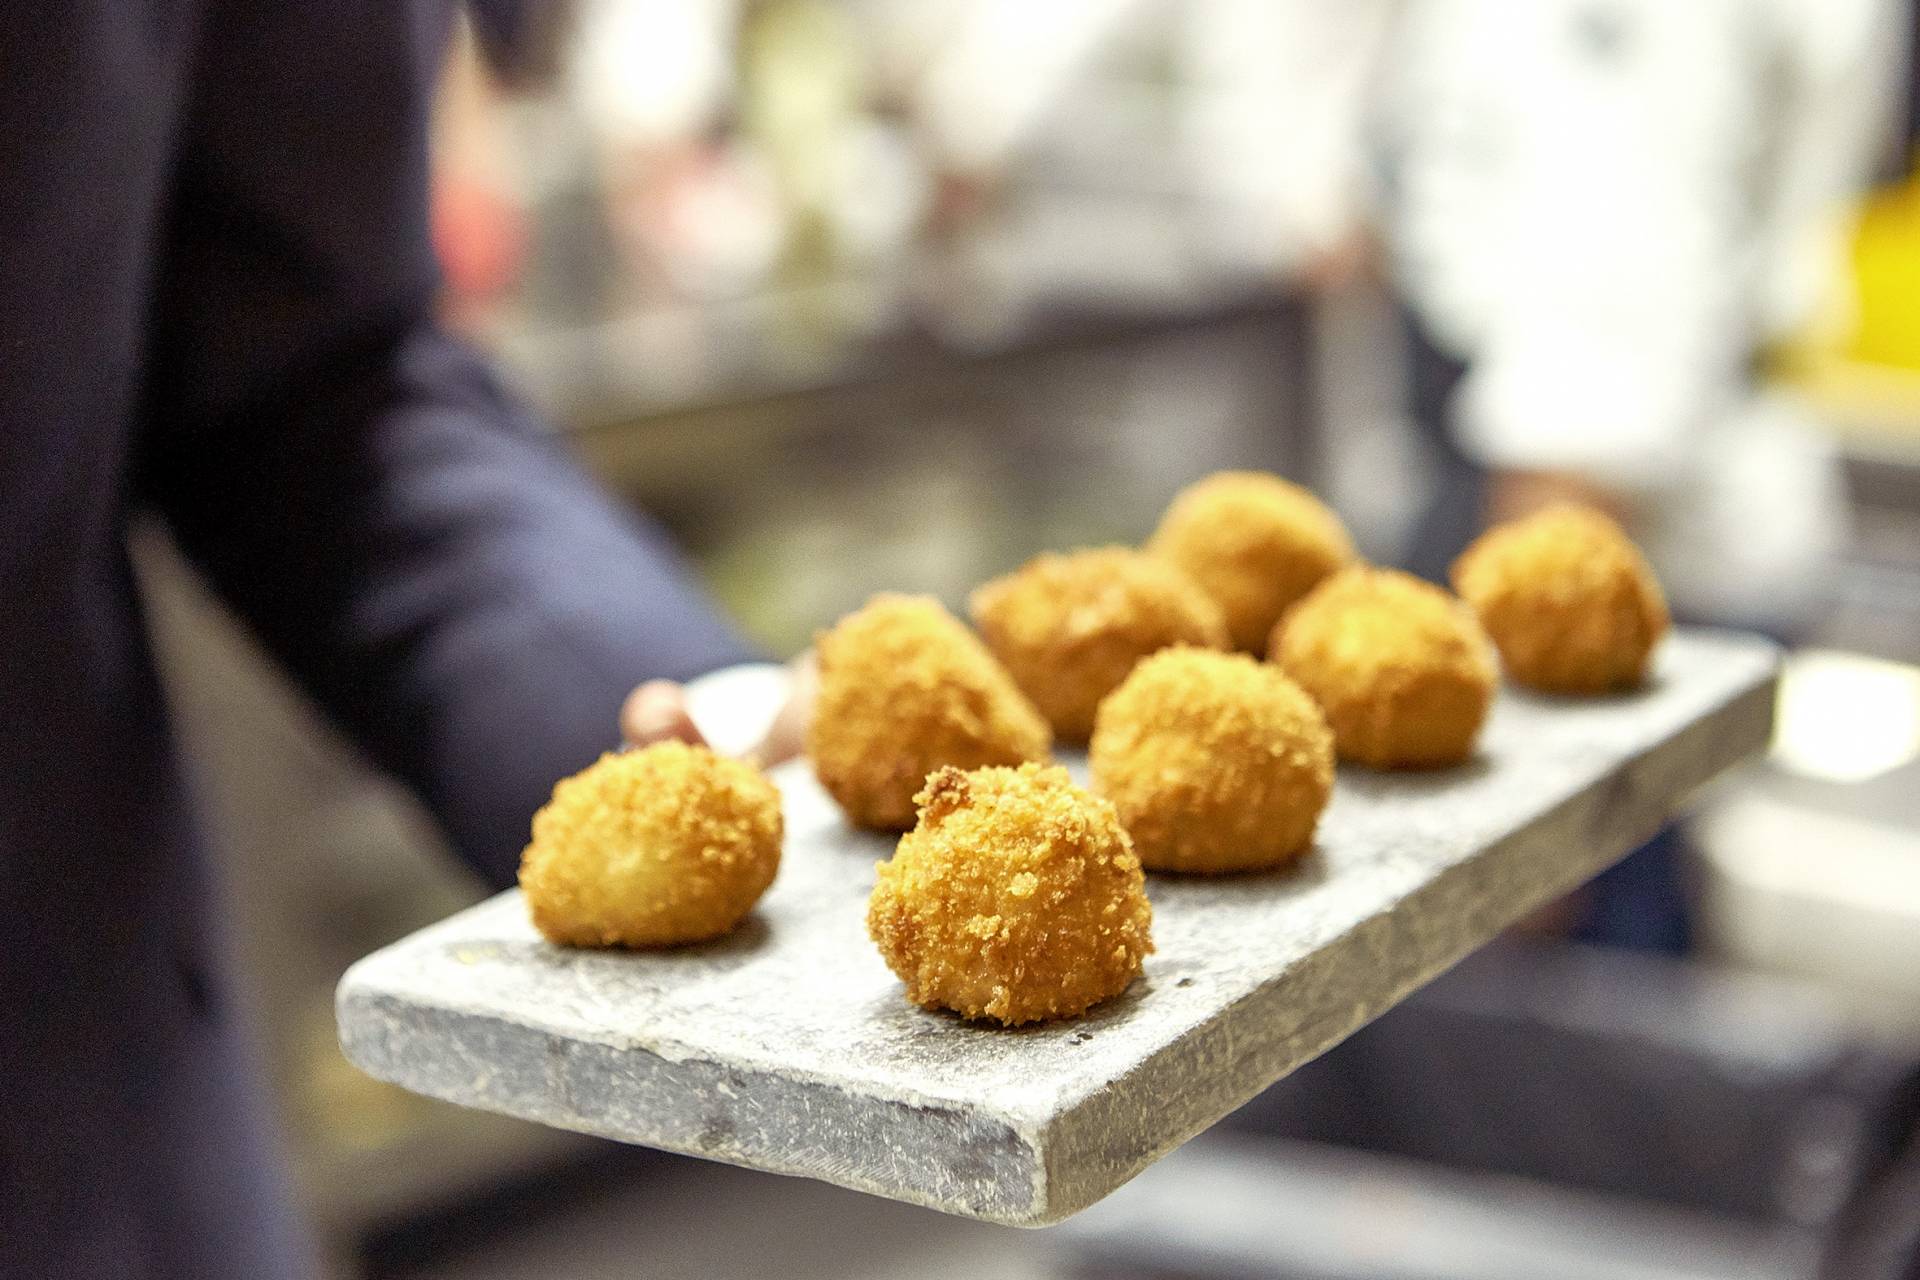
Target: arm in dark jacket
x=399, y=532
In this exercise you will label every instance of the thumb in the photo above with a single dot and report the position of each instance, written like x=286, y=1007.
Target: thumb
x=657, y=712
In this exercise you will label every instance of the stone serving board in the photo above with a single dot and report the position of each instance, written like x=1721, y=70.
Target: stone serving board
x=788, y=1046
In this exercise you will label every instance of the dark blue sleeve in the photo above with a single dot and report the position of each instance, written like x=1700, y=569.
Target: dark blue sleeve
x=401, y=534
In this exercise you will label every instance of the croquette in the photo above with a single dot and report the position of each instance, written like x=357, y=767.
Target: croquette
x=1069, y=628
x=1016, y=897
x=1215, y=762
x=650, y=848
x=1570, y=602
x=1255, y=543
x=1401, y=668
x=904, y=689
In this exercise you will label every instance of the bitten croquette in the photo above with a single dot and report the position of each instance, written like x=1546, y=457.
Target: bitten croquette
x=904, y=689
x=1017, y=897
x=1069, y=628
x=648, y=848
x=1570, y=602
x=1255, y=543
x=1215, y=762
x=1402, y=670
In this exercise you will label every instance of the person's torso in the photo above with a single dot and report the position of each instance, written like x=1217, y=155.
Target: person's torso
x=1547, y=145
x=130, y=1144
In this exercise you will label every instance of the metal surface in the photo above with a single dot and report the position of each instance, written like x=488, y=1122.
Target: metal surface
x=788, y=1046
x=1230, y=1207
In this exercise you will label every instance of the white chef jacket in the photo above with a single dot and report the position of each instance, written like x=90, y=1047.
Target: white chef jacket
x=1606, y=207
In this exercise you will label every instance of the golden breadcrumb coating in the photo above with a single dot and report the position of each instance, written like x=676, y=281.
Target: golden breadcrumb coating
x=1215, y=762
x=1401, y=668
x=1569, y=600
x=1017, y=897
x=1255, y=543
x=650, y=848
x=904, y=689
x=1070, y=627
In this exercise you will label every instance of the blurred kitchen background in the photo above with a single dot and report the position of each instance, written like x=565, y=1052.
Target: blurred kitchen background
x=862, y=294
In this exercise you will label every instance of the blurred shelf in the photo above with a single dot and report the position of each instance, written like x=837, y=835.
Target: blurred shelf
x=676, y=358
x=1232, y=1206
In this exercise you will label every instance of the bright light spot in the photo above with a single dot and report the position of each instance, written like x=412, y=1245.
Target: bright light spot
x=1846, y=718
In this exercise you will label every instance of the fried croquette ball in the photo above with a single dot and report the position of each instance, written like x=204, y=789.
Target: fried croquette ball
x=1016, y=897
x=1401, y=668
x=904, y=689
x=1255, y=543
x=650, y=848
x=1569, y=600
x=1215, y=762
x=1069, y=628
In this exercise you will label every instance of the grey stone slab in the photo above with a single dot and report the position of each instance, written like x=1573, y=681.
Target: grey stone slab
x=789, y=1046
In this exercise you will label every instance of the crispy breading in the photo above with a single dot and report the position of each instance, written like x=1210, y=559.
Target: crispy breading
x=1215, y=762
x=1401, y=668
x=904, y=689
x=1069, y=628
x=1570, y=602
x=1016, y=897
x=1255, y=543
x=654, y=847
